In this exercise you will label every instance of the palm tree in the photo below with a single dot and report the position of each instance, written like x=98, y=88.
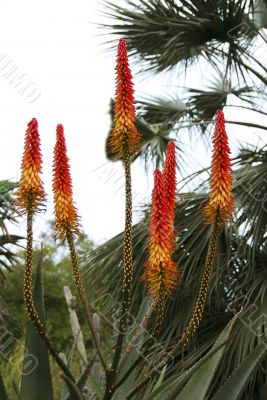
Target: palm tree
x=227, y=39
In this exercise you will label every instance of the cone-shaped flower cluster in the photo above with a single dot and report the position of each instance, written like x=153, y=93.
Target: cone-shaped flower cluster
x=124, y=136
x=220, y=203
x=169, y=176
x=160, y=270
x=65, y=212
x=30, y=194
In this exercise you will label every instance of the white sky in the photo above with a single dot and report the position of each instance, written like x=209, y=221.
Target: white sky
x=55, y=44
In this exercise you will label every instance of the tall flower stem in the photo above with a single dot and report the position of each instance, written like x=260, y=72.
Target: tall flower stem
x=217, y=211
x=127, y=247
x=160, y=307
x=198, y=310
x=82, y=295
x=67, y=221
x=28, y=298
x=124, y=142
x=127, y=277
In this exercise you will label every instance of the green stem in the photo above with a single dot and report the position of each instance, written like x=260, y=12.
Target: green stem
x=198, y=310
x=127, y=247
x=127, y=278
x=83, y=297
x=160, y=307
x=29, y=302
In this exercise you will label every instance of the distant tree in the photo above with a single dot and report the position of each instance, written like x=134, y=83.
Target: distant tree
x=57, y=272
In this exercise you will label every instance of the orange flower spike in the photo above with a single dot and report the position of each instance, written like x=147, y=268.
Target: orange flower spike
x=65, y=211
x=220, y=202
x=124, y=136
x=161, y=271
x=169, y=176
x=159, y=226
x=30, y=194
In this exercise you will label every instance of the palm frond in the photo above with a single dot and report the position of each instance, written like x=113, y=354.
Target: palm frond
x=250, y=193
x=204, y=102
x=165, y=111
x=183, y=31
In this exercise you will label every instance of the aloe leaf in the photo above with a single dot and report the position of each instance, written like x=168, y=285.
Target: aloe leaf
x=129, y=358
x=173, y=385
x=65, y=390
x=36, y=382
x=198, y=385
x=84, y=377
x=16, y=390
x=96, y=387
x=3, y=394
x=136, y=349
x=234, y=386
x=74, y=392
x=160, y=380
x=155, y=384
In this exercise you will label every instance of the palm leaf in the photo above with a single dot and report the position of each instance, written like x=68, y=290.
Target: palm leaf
x=183, y=31
x=250, y=192
x=204, y=103
x=235, y=385
x=166, y=111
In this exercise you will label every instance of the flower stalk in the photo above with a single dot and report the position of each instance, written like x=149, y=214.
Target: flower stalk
x=67, y=221
x=30, y=199
x=217, y=211
x=124, y=142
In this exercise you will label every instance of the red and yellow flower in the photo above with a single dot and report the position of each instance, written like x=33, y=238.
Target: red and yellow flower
x=220, y=203
x=161, y=272
x=169, y=176
x=66, y=221
x=124, y=136
x=30, y=194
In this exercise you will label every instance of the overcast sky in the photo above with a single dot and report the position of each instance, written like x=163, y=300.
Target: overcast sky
x=68, y=80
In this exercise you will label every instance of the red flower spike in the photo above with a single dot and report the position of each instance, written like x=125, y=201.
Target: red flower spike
x=169, y=176
x=30, y=193
x=124, y=136
x=161, y=272
x=65, y=212
x=220, y=202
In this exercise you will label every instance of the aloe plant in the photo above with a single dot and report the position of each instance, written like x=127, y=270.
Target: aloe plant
x=130, y=371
